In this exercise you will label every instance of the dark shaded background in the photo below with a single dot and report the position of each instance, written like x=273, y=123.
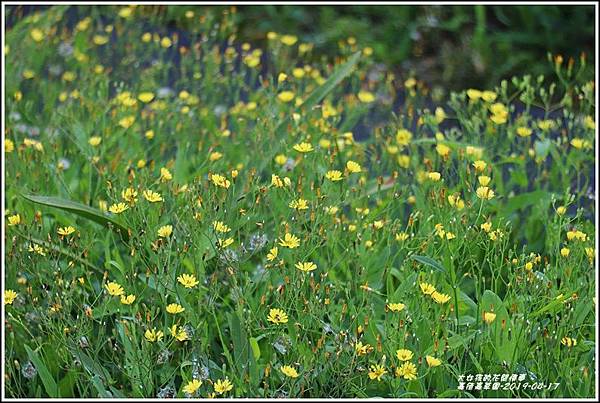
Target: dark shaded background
x=452, y=47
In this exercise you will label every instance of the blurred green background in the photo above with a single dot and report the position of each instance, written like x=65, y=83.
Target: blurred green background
x=451, y=47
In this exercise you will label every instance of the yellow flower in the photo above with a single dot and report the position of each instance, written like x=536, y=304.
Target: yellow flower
x=477, y=152
x=129, y=195
x=165, y=175
x=192, y=386
x=432, y=361
x=220, y=180
x=223, y=386
x=299, y=204
x=215, y=156
x=286, y=96
x=376, y=372
x=165, y=231
x=289, y=241
x=484, y=180
x=272, y=255
x=404, y=354
x=166, y=42
x=223, y=243
x=545, y=124
x=188, y=281
x=118, y=208
x=568, y=341
x=589, y=122
x=306, y=266
x=289, y=371
x=37, y=34
x=127, y=122
x=100, y=39
x=489, y=96
x=580, y=143
x=95, y=141
x=65, y=231
x=499, y=118
x=528, y=266
x=434, y=176
x=303, y=147
x=362, y=349
x=9, y=146
x=564, y=252
x=334, y=175
x=427, y=288
x=153, y=335
x=561, y=210
x=489, y=317
x=288, y=40
x=443, y=150
x=146, y=97
x=220, y=227
x=366, y=96
x=37, y=249
x=479, y=165
x=152, y=197
x=408, y=371
x=127, y=300
x=440, y=115
x=401, y=236
x=486, y=226
x=474, y=94
x=14, y=219
x=114, y=289
x=175, y=309
x=440, y=298
x=456, y=201
x=524, y=131
x=403, y=137
x=180, y=335
x=125, y=12
x=353, y=167
x=277, y=316
x=9, y=297
x=485, y=193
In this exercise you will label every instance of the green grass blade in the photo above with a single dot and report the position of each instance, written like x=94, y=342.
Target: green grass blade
x=81, y=210
x=47, y=379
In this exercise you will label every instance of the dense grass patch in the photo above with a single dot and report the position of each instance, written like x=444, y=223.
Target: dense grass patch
x=188, y=215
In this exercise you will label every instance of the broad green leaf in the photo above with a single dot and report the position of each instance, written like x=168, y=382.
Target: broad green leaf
x=47, y=379
x=81, y=210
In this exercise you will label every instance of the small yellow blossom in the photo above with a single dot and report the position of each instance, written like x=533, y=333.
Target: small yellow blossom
x=289, y=241
x=192, y=386
x=151, y=196
x=289, y=371
x=165, y=231
x=14, y=219
x=404, y=354
x=114, y=289
x=175, y=308
x=303, y=147
x=306, y=266
x=272, y=255
x=223, y=386
x=153, y=335
x=65, y=231
x=127, y=300
x=376, y=372
x=118, y=208
x=277, y=316
x=9, y=297
x=188, y=280
x=334, y=175
x=286, y=96
x=432, y=361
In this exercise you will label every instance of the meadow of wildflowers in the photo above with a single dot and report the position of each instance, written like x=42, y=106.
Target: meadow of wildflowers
x=189, y=215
